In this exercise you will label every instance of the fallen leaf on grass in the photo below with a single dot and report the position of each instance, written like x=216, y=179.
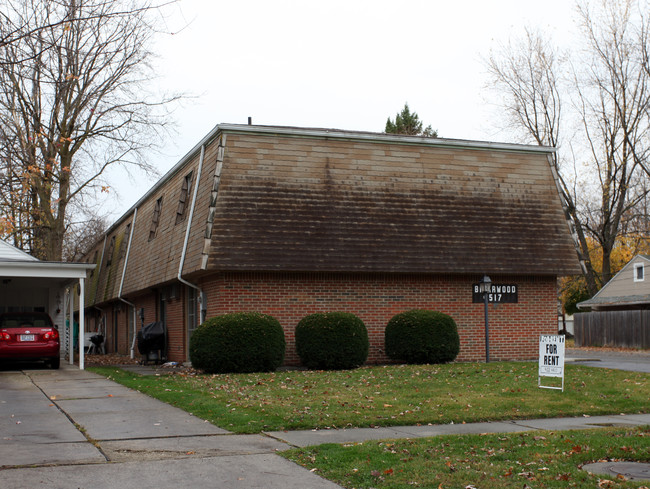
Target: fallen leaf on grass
x=576, y=449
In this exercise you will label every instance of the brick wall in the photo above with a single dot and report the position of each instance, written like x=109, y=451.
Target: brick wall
x=514, y=328
x=176, y=330
x=175, y=312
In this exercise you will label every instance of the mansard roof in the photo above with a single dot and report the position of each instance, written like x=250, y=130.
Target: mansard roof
x=295, y=199
x=322, y=200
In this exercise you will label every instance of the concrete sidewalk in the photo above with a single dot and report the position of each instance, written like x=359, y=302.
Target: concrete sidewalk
x=72, y=428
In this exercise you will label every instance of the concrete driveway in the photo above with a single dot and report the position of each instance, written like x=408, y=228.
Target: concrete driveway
x=632, y=360
x=72, y=428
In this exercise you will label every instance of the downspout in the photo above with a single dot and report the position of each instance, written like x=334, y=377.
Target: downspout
x=102, y=320
x=119, y=294
x=202, y=296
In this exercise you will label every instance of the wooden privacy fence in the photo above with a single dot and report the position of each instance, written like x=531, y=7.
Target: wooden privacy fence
x=627, y=329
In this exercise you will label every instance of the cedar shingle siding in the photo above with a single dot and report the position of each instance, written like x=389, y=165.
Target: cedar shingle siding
x=299, y=202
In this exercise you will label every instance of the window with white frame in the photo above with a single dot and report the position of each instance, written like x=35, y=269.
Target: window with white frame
x=639, y=274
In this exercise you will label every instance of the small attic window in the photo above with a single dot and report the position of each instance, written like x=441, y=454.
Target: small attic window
x=125, y=242
x=639, y=275
x=155, y=219
x=182, y=200
x=109, y=255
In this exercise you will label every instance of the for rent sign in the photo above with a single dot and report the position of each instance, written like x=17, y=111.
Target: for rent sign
x=551, y=358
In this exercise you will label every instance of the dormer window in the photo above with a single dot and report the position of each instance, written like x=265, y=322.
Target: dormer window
x=182, y=200
x=155, y=219
x=109, y=255
x=638, y=272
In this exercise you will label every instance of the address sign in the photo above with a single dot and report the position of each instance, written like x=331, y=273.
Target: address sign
x=499, y=294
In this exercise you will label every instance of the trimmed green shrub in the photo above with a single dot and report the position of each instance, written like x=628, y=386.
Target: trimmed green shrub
x=240, y=342
x=332, y=341
x=421, y=336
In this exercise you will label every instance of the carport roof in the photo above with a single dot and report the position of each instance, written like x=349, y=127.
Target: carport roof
x=17, y=263
x=43, y=269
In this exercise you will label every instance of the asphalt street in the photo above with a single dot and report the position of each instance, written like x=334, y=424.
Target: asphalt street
x=633, y=360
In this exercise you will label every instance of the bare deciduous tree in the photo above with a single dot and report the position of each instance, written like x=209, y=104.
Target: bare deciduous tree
x=77, y=103
x=614, y=93
x=82, y=236
x=598, y=166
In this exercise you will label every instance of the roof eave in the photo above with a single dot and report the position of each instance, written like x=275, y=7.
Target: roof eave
x=382, y=137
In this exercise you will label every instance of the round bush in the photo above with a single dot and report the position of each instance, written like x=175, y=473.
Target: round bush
x=421, y=336
x=332, y=341
x=240, y=342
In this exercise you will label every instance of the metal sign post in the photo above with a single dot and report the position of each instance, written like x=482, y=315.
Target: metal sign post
x=551, y=359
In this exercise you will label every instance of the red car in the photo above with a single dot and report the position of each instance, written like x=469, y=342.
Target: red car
x=29, y=336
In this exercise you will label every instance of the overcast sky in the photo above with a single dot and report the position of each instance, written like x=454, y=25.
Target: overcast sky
x=336, y=64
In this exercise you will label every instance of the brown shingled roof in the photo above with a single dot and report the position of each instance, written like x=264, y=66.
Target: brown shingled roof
x=318, y=202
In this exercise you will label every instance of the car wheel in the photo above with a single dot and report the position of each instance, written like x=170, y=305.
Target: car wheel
x=55, y=363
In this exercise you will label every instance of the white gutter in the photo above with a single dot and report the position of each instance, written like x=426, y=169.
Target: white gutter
x=43, y=269
x=119, y=294
x=195, y=192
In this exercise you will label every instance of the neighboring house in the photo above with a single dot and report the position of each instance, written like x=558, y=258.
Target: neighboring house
x=628, y=289
x=291, y=221
x=620, y=311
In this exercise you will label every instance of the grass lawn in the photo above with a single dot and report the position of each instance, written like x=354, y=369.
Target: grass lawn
x=391, y=395
x=514, y=460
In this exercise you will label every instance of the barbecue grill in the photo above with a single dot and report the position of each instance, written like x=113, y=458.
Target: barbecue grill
x=152, y=342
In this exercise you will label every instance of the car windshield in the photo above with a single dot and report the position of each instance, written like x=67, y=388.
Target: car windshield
x=24, y=320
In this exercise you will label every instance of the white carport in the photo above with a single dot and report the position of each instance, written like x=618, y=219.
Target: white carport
x=28, y=284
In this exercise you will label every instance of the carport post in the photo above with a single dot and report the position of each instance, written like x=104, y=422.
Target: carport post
x=82, y=321
x=66, y=319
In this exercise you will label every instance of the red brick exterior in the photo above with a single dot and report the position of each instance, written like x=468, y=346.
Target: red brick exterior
x=514, y=328
x=176, y=329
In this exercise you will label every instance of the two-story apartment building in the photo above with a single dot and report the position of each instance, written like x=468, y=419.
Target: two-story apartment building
x=290, y=221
